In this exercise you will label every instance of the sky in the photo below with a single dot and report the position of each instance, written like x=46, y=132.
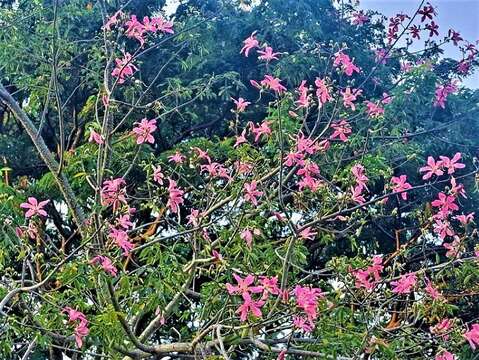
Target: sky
x=460, y=15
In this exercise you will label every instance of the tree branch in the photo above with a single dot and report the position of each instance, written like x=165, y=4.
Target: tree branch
x=48, y=159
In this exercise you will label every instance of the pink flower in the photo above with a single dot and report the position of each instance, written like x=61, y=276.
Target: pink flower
x=463, y=67
x=124, y=221
x=455, y=36
x=177, y=158
x=243, y=167
x=457, y=189
x=452, y=164
x=374, y=110
x=270, y=286
x=282, y=355
x=308, y=182
x=368, y=277
x=135, y=29
x=144, y=130
x=349, y=97
x=251, y=192
x=113, y=20
x=309, y=168
x=96, y=137
x=386, y=98
x=73, y=314
x=445, y=355
x=405, y=284
x=249, y=306
x=217, y=256
x=307, y=234
x=453, y=248
x=307, y=299
x=303, y=101
x=431, y=290
x=175, y=196
x=400, y=184
x=442, y=92
x=361, y=179
x=34, y=207
x=442, y=328
x=81, y=330
x=259, y=130
x=427, y=12
x=345, y=62
x=202, y=154
x=465, y=219
x=194, y=217
x=123, y=68
x=105, y=263
x=273, y=83
x=432, y=168
x=249, y=43
x=267, y=54
x=359, y=18
x=241, y=139
x=433, y=28
x=473, y=336
x=162, y=25
x=445, y=203
x=341, y=129
x=406, y=66
x=247, y=235
x=241, y=104
x=158, y=175
x=322, y=91
x=356, y=194
x=305, y=144
x=304, y=324
x=113, y=193
x=122, y=240
x=244, y=286
x=443, y=229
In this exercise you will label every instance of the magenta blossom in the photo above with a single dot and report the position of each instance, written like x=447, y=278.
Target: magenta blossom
x=96, y=137
x=405, y=284
x=175, y=196
x=241, y=104
x=144, y=130
x=252, y=193
x=34, y=207
x=158, y=175
x=445, y=355
x=322, y=91
x=346, y=63
x=273, y=83
x=432, y=168
x=342, y=129
x=267, y=54
x=400, y=184
x=81, y=330
x=473, y=336
x=124, y=68
x=105, y=263
x=249, y=43
x=121, y=238
x=452, y=164
x=244, y=286
x=249, y=306
x=177, y=158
